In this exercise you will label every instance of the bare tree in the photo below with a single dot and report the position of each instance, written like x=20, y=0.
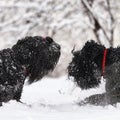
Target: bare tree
x=94, y=19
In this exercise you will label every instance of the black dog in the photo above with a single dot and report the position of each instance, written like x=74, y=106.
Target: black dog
x=92, y=62
x=31, y=57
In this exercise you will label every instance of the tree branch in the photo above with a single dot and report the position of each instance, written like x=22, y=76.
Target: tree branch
x=97, y=25
x=111, y=23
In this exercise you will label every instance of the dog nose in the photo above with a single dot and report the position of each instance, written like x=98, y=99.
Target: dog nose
x=58, y=46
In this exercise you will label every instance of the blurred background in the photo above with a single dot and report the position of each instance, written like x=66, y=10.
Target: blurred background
x=69, y=22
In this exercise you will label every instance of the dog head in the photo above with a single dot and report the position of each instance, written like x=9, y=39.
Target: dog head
x=38, y=55
x=84, y=67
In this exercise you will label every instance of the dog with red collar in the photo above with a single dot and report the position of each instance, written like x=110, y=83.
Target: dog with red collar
x=88, y=66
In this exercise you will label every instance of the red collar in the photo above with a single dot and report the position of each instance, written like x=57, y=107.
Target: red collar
x=104, y=61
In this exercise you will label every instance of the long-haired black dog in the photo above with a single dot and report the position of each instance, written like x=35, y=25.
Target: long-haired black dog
x=87, y=67
x=32, y=57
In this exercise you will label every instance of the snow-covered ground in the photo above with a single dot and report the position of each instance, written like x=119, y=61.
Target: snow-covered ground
x=55, y=99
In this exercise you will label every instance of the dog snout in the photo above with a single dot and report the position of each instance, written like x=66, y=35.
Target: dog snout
x=58, y=46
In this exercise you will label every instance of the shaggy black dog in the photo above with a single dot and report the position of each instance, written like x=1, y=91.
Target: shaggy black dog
x=92, y=62
x=31, y=57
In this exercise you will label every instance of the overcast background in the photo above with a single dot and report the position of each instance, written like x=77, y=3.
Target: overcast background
x=70, y=23
x=66, y=21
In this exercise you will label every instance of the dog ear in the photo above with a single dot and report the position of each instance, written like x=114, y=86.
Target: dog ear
x=49, y=40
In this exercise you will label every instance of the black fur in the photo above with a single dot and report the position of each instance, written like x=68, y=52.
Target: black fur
x=32, y=57
x=86, y=68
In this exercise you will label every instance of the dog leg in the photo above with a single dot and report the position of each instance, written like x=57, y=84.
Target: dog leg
x=6, y=93
x=112, y=76
x=111, y=98
x=18, y=93
x=97, y=99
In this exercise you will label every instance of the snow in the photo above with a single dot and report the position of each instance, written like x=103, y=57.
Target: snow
x=56, y=99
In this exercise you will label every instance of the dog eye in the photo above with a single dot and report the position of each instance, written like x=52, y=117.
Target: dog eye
x=49, y=40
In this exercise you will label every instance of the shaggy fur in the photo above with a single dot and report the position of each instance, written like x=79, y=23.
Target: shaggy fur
x=32, y=57
x=86, y=68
